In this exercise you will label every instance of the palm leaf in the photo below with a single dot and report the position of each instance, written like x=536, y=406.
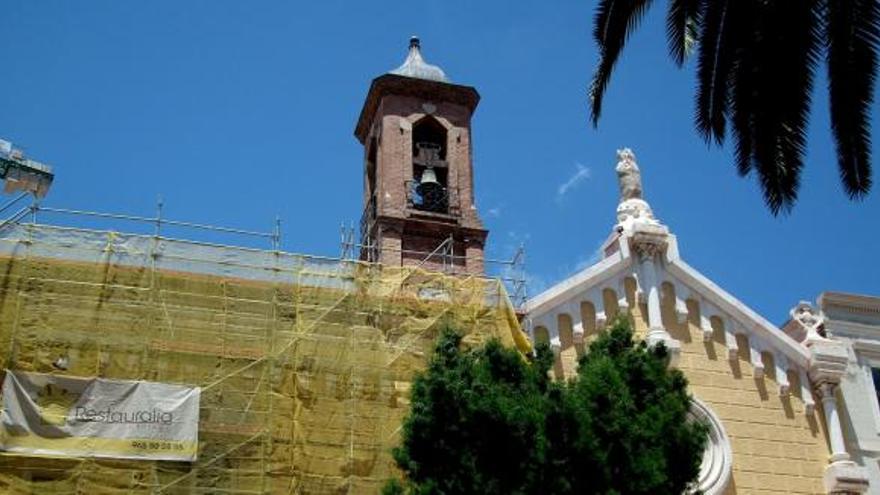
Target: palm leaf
x=852, y=33
x=682, y=23
x=743, y=92
x=615, y=21
x=714, y=65
x=742, y=105
x=785, y=57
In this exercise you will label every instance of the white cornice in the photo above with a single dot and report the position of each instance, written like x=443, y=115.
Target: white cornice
x=697, y=283
x=869, y=347
x=565, y=290
x=854, y=303
x=844, y=328
x=768, y=332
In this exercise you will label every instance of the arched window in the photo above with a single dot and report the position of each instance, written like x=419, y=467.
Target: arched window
x=430, y=171
x=715, y=470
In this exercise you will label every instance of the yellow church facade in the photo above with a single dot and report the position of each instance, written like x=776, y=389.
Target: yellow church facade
x=757, y=387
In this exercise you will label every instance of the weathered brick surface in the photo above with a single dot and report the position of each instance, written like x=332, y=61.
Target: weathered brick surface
x=392, y=133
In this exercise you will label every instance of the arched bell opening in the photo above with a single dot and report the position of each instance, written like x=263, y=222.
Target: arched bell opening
x=430, y=187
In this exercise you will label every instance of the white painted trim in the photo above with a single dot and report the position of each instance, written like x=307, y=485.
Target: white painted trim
x=870, y=348
x=717, y=465
x=841, y=328
x=588, y=278
x=867, y=357
x=781, y=364
x=752, y=322
x=686, y=279
x=850, y=303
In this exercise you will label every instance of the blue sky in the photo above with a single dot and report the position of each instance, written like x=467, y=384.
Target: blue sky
x=239, y=111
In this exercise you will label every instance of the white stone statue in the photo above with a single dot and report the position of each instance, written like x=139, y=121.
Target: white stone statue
x=811, y=321
x=632, y=207
x=628, y=175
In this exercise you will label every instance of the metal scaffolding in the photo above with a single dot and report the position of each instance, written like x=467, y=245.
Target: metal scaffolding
x=512, y=272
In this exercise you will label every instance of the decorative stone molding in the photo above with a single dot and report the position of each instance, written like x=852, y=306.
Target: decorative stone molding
x=781, y=364
x=845, y=477
x=658, y=335
x=828, y=363
x=648, y=241
x=811, y=320
x=715, y=469
x=828, y=360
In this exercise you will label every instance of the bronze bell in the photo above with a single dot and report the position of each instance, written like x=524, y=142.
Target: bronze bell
x=429, y=178
x=430, y=189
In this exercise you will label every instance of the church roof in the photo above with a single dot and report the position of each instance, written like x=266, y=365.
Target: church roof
x=415, y=66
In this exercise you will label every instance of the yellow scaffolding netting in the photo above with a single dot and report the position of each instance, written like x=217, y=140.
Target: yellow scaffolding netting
x=305, y=363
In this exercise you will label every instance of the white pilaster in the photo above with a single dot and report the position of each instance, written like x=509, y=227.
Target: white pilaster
x=648, y=242
x=649, y=275
x=828, y=361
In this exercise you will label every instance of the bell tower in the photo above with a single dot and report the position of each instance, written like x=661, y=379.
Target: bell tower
x=419, y=208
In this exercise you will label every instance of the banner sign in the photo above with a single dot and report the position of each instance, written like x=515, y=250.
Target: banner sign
x=80, y=417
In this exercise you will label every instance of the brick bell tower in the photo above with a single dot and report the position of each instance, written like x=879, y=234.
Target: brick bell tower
x=419, y=208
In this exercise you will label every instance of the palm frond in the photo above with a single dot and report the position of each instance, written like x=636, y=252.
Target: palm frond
x=713, y=68
x=614, y=22
x=743, y=85
x=852, y=37
x=785, y=59
x=742, y=105
x=682, y=27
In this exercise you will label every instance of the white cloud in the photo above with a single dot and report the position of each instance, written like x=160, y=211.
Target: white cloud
x=494, y=212
x=582, y=173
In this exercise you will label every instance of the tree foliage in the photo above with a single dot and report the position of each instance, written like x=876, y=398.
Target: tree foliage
x=755, y=65
x=486, y=421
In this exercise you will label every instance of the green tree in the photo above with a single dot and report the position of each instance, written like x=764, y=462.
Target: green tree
x=486, y=421
x=755, y=65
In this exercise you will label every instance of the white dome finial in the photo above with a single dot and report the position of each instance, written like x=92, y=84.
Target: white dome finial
x=416, y=67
